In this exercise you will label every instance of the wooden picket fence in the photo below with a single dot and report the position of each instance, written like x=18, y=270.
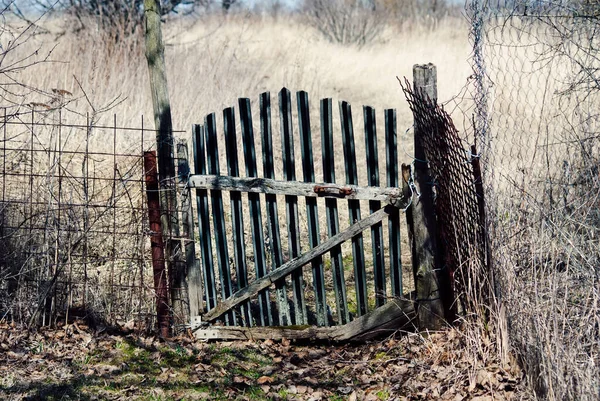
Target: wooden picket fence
x=244, y=302
x=335, y=283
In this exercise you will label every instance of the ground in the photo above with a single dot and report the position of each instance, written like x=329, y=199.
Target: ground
x=75, y=363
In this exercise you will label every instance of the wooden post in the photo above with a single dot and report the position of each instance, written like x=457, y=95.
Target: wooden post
x=190, y=279
x=165, y=146
x=430, y=307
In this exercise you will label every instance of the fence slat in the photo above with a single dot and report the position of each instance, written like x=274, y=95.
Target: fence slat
x=331, y=210
x=376, y=230
x=204, y=236
x=296, y=264
x=237, y=217
x=312, y=213
x=192, y=277
x=291, y=203
x=258, y=240
x=358, y=254
x=391, y=148
x=216, y=197
x=274, y=240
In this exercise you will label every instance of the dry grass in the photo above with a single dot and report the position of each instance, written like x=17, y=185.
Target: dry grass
x=543, y=171
x=211, y=62
x=552, y=313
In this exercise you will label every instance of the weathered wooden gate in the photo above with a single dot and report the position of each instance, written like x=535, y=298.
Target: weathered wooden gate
x=274, y=292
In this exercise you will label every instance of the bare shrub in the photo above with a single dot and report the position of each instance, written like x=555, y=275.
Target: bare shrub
x=346, y=21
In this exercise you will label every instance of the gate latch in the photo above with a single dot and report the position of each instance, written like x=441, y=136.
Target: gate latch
x=334, y=190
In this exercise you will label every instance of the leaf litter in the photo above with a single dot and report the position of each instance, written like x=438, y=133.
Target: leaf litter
x=74, y=363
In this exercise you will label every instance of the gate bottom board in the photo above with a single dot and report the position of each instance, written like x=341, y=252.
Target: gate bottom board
x=397, y=314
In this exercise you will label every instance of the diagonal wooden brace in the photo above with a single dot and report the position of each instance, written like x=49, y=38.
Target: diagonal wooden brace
x=284, y=270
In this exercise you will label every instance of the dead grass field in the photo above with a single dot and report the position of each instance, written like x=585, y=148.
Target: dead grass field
x=211, y=62
x=553, y=314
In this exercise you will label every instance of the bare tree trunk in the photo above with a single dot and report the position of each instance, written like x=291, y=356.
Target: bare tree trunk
x=226, y=4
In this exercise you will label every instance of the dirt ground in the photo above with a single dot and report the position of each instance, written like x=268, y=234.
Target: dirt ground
x=75, y=363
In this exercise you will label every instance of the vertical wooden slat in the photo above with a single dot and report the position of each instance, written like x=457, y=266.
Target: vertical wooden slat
x=312, y=213
x=358, y=254
x=391, y=150
x=192, y=273
x=333, y=224
x=204, y=235
x=237, y=217
x=291, y=203
x=274, y=240
x=216, y=198
x=258, y=241
x=377, y=229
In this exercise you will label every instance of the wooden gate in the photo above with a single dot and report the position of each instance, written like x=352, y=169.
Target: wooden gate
x=291, y=280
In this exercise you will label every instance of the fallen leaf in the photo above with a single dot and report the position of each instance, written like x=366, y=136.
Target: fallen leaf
x=264, y=380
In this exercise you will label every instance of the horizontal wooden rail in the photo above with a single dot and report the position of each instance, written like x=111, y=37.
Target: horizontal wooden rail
x=284, y=270
x=398, y=314
x=295, y=188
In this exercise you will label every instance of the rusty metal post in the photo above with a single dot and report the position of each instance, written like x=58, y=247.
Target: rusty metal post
x=157, y=244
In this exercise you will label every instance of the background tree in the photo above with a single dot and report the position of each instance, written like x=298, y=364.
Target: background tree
x=122, y=17
x=346, y=21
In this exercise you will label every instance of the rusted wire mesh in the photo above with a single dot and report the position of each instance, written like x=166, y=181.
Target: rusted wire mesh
x=458, y=200
x=73, y=222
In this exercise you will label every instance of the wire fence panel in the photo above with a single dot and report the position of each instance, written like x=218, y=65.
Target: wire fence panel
x=537, y=90
x=74, y=237
x=460, y=230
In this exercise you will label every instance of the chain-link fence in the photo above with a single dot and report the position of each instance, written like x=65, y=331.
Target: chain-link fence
x=459, y=202
x=537, y=118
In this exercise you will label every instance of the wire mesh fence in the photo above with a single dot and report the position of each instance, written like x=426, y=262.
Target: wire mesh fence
x=458, y=198
x=74, y=236
x=537, y=90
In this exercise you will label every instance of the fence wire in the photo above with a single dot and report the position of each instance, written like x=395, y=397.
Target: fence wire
x=458, y=205
x=537, y=89
x=73, y=223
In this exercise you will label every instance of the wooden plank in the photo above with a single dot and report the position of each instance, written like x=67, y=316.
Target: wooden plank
x=391, y=148
x=291, y=203
x=376, y=230
x=312, y=214
x=398, y=314
x=260, y=262
x=295, y=264
x=295, y=188
x=331, y=211
x=192, y=278
x=358, y=255
x=274, y=239
x=430, y=306
x=237, y=215
x=216, y=197
x=204, y=235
